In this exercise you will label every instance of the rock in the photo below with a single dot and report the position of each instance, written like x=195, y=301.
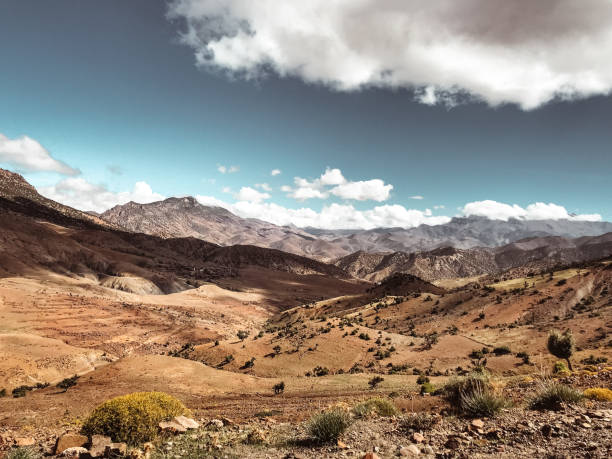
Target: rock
x=24, y=441
x=70, y=440
x=186, y=422
x=342, y=445
x=172, y=427
x=418, y=438
x=477, y=423
x=73, y=452
x=371, y=456
x=98, y=445
x=116, y=450
x=215, y=423
x=227, y=422
x=453, y=443
x=409, y=451
x=256, y=437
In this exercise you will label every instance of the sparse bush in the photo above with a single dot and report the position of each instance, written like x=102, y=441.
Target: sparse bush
x=559, y=368
x=327, y=427
x=22, y=453
x=378, y=406
x=279, y=388
x=20, y=391
x=502, y=350
x=427, y=388
x=552, y=394
x=2, y=392
x=417, y=421
x=364, y=336
x=456, y=387
x=524, y=356
x=592, y=360
x=67, y=383
x=601, y=394
x=133, y=418
x=242, y=335
x=375, y=381
x=320, y=371
x=422, y=379
x=561, y=345
x=481, y=402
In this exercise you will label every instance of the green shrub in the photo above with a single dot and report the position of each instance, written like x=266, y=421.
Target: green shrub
x=560, y=367
x=279, y=388
x=378, y=406
x=133, y=418
x=427, y=388
x=561, y=345
x=480, y=402
x=422, y=379
x=67, y=383
x=2, y=392
x=327, y=427
x=552, y=394
x=592, y=360
x=22, y=453
x=467, y=385
x=375, y=381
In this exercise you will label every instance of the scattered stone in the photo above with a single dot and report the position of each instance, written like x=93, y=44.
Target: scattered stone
x=172, y=427
x=453, y=442
x=418, y=438
x=24, y=441
x=227, y=422
x=186, y=422
x=74, y=452
x=342, y=445
x=116, y=450
x=215, y=423
x=409, y=451
x=477, y=423
x=371, y=456
x=98, y=445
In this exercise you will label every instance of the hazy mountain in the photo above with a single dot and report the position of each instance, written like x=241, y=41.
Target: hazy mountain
x=185, y=217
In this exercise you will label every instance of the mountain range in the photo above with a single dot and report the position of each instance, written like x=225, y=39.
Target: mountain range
x=186, y=217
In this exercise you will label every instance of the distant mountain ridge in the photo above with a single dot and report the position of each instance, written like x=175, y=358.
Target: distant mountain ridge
x=186, y=217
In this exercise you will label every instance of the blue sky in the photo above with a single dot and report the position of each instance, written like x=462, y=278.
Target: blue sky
x=108, y=88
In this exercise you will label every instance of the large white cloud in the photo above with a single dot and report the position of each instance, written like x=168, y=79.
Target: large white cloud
x=249, y=194
x=536, y=211
x=78, y=193
x=29, y=155
x=333, y=216
x=333, y=182
x=517, y=51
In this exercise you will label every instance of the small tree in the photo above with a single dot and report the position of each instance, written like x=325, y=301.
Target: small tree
x=375, y=381
x=562, y=345
x=279, y=388
x=68, y=383
x=242, y=335
x=277, y=349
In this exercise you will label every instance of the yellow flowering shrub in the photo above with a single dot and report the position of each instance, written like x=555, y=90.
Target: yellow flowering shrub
x=601, y=394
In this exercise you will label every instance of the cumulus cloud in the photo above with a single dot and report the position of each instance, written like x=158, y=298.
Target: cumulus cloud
x=227, y=170
x=275, y=172
x=500, y=51
x=79, y=193
x=251, y=195
x=417, y=197
x=333, y=216
x=536, y=211
x=332, y=182
x=263, y=186
x=29, y=155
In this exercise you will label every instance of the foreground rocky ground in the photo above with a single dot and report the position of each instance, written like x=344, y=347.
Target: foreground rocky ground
x=574, y=430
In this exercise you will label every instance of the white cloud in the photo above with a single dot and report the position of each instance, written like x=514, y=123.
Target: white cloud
x=80, y=194
x=439, y=207
x=536, y=211
x=333, y=182
x=263, y=186
x=275, y=172
x=251, y=195
x=417, y=197
x=374, y=190
x=227, y=170
x=521, y=52
x=333, y=216
x=28, y=155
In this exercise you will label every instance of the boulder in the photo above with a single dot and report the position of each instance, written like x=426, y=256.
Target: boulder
x=98, y=445
x=409, y=451
x=74, y=452
x=70, y=440
x=418, y=438
x=186, y=422
x=477, y=424
x=215, y=423
x=24, y=441
x=116, y=450
x=172, y=427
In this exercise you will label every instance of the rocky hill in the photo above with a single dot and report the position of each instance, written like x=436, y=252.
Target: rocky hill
x=535, y=254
